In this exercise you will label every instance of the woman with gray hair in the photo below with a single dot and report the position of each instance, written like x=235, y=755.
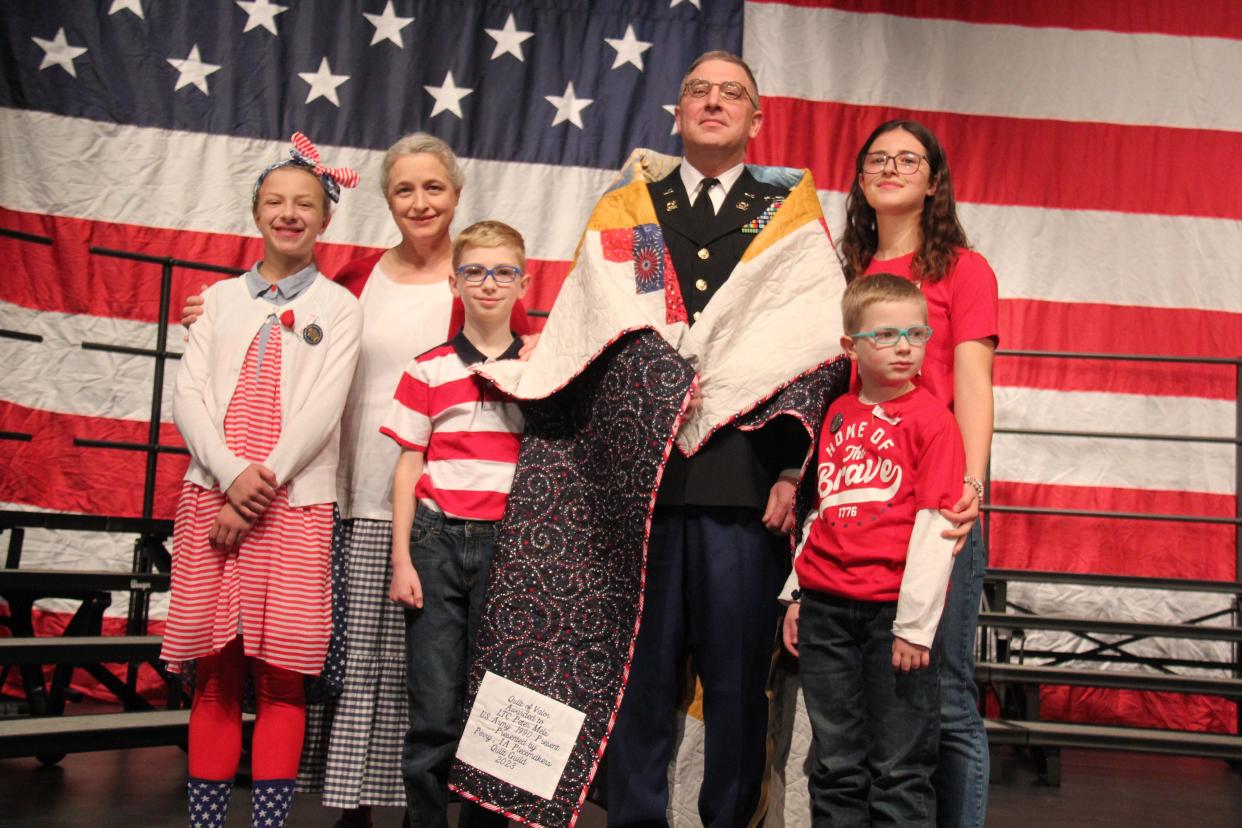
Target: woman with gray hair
x=354, y=742
x=407, y=308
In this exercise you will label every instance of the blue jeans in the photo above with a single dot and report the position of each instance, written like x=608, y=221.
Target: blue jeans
x=874, y=727
x=962, y=776
x=452, y=558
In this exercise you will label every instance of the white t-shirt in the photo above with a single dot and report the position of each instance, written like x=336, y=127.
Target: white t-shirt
x=399, y=323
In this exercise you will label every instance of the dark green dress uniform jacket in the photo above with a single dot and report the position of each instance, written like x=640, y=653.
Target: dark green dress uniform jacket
x=734, y=468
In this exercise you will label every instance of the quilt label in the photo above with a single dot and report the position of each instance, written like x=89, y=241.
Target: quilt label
x=519, y=736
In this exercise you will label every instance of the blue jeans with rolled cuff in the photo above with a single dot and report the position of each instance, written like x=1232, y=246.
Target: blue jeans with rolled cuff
x=874, y=728
x=452, y=558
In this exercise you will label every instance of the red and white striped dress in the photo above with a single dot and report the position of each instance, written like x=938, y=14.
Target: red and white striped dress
x=276, y=588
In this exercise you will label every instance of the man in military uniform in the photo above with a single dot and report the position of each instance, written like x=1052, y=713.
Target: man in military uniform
x=715, y=560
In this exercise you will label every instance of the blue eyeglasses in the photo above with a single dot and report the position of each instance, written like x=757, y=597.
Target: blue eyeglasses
x=476, y=274
x=916, y=335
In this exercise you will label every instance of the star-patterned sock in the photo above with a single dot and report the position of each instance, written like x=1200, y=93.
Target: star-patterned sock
x=269, y=802
x=209, y=801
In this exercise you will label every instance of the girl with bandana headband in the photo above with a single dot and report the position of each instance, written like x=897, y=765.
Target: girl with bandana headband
x=258, y=399
x=354, y=742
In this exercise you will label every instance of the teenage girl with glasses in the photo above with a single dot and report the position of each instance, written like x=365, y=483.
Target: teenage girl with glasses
x=901, y=219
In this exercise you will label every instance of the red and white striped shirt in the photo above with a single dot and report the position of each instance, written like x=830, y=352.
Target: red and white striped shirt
x=469, y=431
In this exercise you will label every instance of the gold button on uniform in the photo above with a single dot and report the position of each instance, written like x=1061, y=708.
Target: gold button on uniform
x=704, y=253
x=697, y=314
x=700, y=284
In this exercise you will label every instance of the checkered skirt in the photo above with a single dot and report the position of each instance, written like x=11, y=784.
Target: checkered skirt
x=353, y=743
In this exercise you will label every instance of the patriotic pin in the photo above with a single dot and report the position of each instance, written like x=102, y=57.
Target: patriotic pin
x=313, y=334
x=671, y=206
x=743, y=205
x=838, y=420
x=669, y=191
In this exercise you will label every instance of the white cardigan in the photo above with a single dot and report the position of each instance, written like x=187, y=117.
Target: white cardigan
x=314, y=380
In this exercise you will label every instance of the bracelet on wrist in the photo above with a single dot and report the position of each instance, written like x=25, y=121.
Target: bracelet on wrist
x=975, y=483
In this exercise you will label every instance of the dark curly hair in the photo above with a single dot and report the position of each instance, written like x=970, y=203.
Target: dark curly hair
x=941, y=231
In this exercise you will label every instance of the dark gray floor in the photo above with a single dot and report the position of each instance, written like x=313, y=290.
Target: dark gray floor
x=145, y=788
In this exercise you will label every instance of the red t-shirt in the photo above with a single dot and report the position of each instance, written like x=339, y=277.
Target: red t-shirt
x=961, y=307
x=874, y=471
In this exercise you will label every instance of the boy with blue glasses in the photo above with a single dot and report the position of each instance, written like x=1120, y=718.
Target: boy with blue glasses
x=459, y=441
x=873, y=569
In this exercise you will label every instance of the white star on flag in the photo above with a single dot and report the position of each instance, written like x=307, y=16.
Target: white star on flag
x=671, y=109
x=568, y=106
x=323, y=83
x=125, y=5
x=193, y=70
x=261, y=13
x=58, y=52
x=388, y=26
x=509, y=40
x=629, y=49
x=448, y=96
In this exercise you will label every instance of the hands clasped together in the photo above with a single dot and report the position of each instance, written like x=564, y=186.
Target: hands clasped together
x=246, y=498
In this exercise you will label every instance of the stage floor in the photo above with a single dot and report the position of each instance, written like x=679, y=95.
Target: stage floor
x=146, y=787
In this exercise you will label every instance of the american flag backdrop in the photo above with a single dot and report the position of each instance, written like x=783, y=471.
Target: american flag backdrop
x=1096, y=151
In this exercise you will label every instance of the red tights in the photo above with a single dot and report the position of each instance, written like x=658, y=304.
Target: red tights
x=216, y=717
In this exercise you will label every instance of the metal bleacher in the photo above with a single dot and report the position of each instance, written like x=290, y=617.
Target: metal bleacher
x=36, y=726
x=1012, y=673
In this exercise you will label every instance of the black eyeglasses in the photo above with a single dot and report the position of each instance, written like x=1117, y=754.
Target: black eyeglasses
x=729, y=90
x=906, y=163
x=476, y=274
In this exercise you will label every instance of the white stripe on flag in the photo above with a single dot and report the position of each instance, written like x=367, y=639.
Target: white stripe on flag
x=89, y=383
x=1101, y=257
x=988, y=69
x=61, y=173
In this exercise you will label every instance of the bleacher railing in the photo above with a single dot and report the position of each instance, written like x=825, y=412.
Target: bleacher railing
x=1100, y=653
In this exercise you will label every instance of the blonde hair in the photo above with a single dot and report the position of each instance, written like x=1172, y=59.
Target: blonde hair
x=417, y=143
x=878, y=287
x=490, y=234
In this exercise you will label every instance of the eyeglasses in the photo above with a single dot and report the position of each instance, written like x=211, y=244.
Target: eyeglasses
x=476, y=274
x=916, y=335
x=729, y=90
x=906, y=163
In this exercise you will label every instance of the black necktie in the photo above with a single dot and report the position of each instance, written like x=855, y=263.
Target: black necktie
x=704, y=212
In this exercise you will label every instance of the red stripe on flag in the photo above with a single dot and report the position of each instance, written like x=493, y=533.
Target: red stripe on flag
x=1108, y=546
x=118, y=288
x=999, y=160
x=1030, y=324
x=50, y=472
x=1167, y=711
x=546, y=277
x=1210, y=18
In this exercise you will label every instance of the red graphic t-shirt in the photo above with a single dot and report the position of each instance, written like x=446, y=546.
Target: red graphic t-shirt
x=961, y=307
x=877, y=465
